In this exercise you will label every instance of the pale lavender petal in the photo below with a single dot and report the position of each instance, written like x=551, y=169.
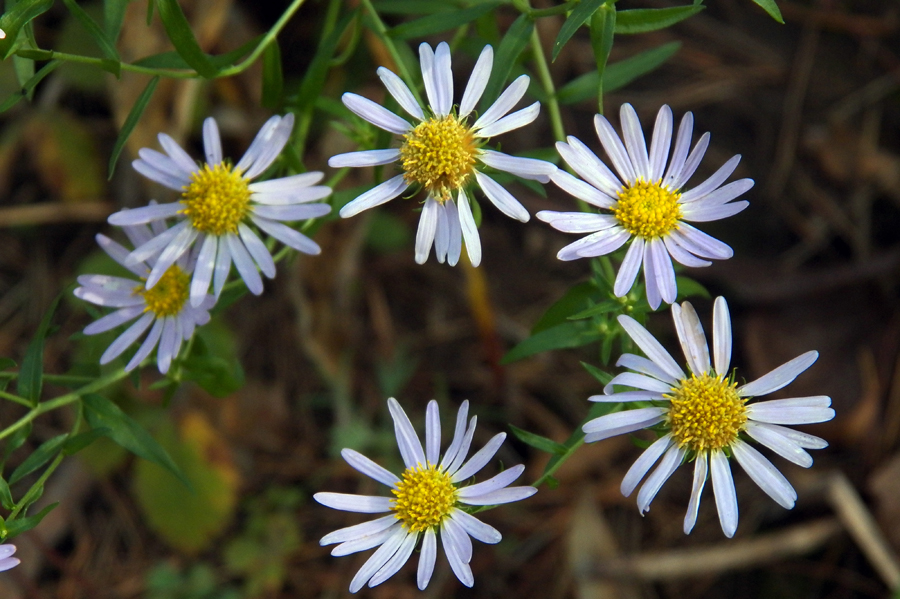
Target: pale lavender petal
x=631, y=419
x=441, y=234
x=407, y=440
x=659, y=145
x=274, y=142
x=144, y=214
x=723, y=487
x=714, y=181
x=634, y=141
x=400, y=92
x=495, y=483
x=7, y=550
x=368, y=541
x=507, y=495
x=477, y=529
x=478, y=80
x=463, y=448
x=581, y=190
x=662, y=270
x=577, y=222
x=629, y=268
x=469, y=229
x=596, y=244
x=258, y=250
x=509, y=98
x=127, y=338
x=527, y=168
x=802, y=439
x=643, y=464
x=627, y=396
x=681, y=255
x=166, y=350
x=455, y=231
x=363, y=504
x=460, y=539
x=699, y=243
x=701, y=468
x=292, y=212
x=669, y=463
x=480, y=459
x=705, y=214
x=780, y=377
x=148, y=345
x=111, y=321
x=764, y=474
x=722, y=195
x=454, y=555
x=177, y=154
x=376, y=114
x=397, y=560
x=443, y=80
x=293, y=183
x=645, y=366
x=364, y=158
x=9, y=563
x=118, y=253
x=178, y=246
x=432, y=433
x=614, y=149
x=651, y=286
x=638, y=381
x=157, y=244
x=650, y=346
x=518, y=119
x=244, y=264
x=363, y=464
x=425, y=234
x=426, y=63
x=161, y=163
x=376, y=196
x=692, y=338
x=212, y=141
x=458, y=434
x=378, y=559
x=501, y=198
x=358, y=531
x=721, y=336
x=789, y=411
x=779, y=443
x=168, y=179
x=595, y=170
x=680, y=152
x=427, y=557
x=203, y=270
x=692, y=162
x=287, y=235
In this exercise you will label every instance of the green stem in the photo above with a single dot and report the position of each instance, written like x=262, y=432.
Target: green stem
x=381, y=30
x=562, y=460
x=63, y=400
x=268, y=39
x=15, y=398
x=554, y=10
x=543, y=70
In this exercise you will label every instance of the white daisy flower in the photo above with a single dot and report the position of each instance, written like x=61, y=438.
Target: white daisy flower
x=442, y=153
x=706, y=416
x=164, y=309
x=8, y=562
x=646, y=203
x=219, y=203
x=427, y=500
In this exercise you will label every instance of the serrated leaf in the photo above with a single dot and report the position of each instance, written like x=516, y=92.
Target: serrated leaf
x=179, y=31
x=511, y=46
x=642, y=20
x=6, y=499
x=102, y=413
x=577, y=298
x=566, y=335
x=601, y=375
x=440, y=22
x=15, y=18
x=617, y=75
x=578, y=17
x=770, y=7
x=131, y=121
x=20, y=525
x=538, y=442
x=42, y=455
x=31, y=374
x=99, y=36
x=272, y=77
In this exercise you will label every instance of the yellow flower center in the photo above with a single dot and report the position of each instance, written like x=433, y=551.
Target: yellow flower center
x=425, y=496
x=170, y=293
x=706, y=412
x=647, y=210
x=439, y=155
x=216, y=200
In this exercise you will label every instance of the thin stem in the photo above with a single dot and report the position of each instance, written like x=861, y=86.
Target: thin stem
x=268, y=39
x=15, y=398
x=381, y=30
x=543, y=69
x=562, y=460
x=554, y=10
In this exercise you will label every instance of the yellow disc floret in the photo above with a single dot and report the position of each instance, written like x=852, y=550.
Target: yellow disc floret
x=647, y=210
x=425, y=496
x=216, y=200
x=706, y=412
x=170, y=293
x=439, y=155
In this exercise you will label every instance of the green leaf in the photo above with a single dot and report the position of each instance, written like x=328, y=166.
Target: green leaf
x=24, y=68
x=31, y=374
x=317, y=72
x=106, y=47
x=440, y=22
x=576, y=298
x=617, y=75
x=538, y=442
x=411, y=7
x=213, y=363
x=41, y=456
x=272, y=77
x=602, y=308
x=16, y=440
x=7, y=364
x=20, y=525
x=113, y=17
x=603, y=27
x=511, y=46
x=29, y=85
x=15, y=18
x=566, y=335
x=102, y=413
x=601, y=375
x=642, y=20
x=6, y=499
x=131, y=121
x=770, y=7
x=582, y=12
x=181, y=36
x=78, y=442
x=688, y=287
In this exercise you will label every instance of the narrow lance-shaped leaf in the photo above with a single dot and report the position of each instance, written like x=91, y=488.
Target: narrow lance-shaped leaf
x=41, y=455
x=411, y=7
x=569, y=334
x=440, y=22
x=113, y=17
x=15, y=18
x=770, y=7
x=601, y=375
x=314, y=79
x=272, y=78
x=99, y=36
x=31, y=375
x=16, y=527
x=102, y=413
x=6, y=499
x=511, y=46
x=603, y=27
x=538, y=442
x=579, y=16
x=642, y=20
x=134, y=115
x=179, y=31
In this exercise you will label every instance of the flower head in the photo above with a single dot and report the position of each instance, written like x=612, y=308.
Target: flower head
x=707, y=417
x=646, y=203
x=163, y=308
x=443, y=154
x=428, y=501
x=218, y=205
x=6, y=560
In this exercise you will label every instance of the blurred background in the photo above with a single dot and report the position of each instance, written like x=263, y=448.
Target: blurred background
x=814, y=108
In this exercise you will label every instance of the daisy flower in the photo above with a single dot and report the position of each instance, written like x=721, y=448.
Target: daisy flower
x=646, y=203
x=443, y=153
x=8, y=562
x=164, y=308
x=428, y=500
x=219, y=203
x=707, y=417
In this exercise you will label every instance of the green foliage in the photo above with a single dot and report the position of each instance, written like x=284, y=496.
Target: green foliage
x=213, y=362
x=538, y=442
x=561, y=336
x=505, y=56
x=440, y=22
x=31, y=374
x=584, y=11
x=181, y=36
x=131, y=121
x=107, y=47
x=16, y=527
x=272, y=77
x=770, y=7
x=15, y=18
x=577, y=298
x=41, y=456
x=6, y=499
x=642, y=20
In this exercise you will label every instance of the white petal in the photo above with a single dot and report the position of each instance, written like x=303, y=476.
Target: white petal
x=614, y=149
x=650, y=346
x=376, y=196
x=460, y=539
x=363, y=464
x=643, y=464
x=659, y=145
x=699, y=243
x=203, y=270
x=443, y=80
x=692, y=338
x=363, y=504
x=212, y=142
x=177, y=154
x=477, y=82
x=507, y=495
x=581, y=190
x=244, y=264
x=595, y=170
x=723, y=194
x=427, y=229
x=645, y=366
x=670, y=462
x=596, y=244
x=162, y=168
x=662, y=270
x=365, y=542
x=638, y=381
x=527, y=168
x=518, y=119
x=118, y=253
x=629, y=268
x=111, y=321
x=468, y=228
x=256, y=146
x=432, y=433
x=802, y=439
x=293, y=183
x=714, y=181
x=258, y=250
x=397, y=560
x=627, y=396
x=459, y=566
x=651, y=278
x=364, y=158
x=509, y=98
x=127, y=338
x=692, y=162
x=455, y=232
x=376, y=114
x=359, y=530
x=463, y=448
x=495, y=483
x=701, y=468
x=427, y=558
x=378, y=559
x=780, y=377
x=577, y=222
x=681, y=255
x=764, y=474
x=272, y=147
x=480, y=459
x=399, y=90
x=705, y=214
x=441, y=236
x=426, y=63
x=501, y=198
x=780, y=414
x=287, y=235
x=458, y=434
x=166, y=350
x=631, y=419
x=721, y=336
x=144, y=214
x=634, y=141
x=221, y=270
x=723, y=487
x=477, y=529
x=407, y=440
x=147, y=347
x=779, y=443
x=157, y=244
x=292, y=212
x=174, y=250
x=680, y=152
